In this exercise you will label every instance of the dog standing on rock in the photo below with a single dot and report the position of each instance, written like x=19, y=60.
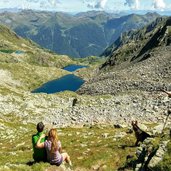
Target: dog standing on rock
x=140, y=134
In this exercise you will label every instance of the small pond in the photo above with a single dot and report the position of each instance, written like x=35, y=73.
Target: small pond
x=72, y=68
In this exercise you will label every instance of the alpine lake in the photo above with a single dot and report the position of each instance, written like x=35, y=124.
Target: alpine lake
x=68, y=82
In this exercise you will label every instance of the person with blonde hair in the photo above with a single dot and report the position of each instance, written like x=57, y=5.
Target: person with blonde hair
x=53, y=149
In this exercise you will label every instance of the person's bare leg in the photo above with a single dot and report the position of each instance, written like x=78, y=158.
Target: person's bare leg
x=66, y=158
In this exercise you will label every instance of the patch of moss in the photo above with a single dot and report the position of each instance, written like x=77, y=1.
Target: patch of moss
x=7, y=51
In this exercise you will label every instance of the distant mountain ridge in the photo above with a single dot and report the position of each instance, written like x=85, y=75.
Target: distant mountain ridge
x=81, y=35
x=15, y=49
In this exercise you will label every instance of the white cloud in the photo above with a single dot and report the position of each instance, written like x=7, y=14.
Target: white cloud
x=83, y=5
x=44, y=3
x=5, y=1
x=90, y=5
x=136, y=4
x=159, y=4
x=133, y=4
x=35, y=1
x=26, y=5
x=96, y=4
x=54, y=3
x=101, y=4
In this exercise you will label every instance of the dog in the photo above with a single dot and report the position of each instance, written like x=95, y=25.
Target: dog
x=140, y=134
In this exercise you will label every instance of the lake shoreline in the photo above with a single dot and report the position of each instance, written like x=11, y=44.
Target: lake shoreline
x=68, y=82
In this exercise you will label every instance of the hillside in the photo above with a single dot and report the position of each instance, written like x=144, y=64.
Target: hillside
x=94, y=125
x=138, y=60
x=26, y=62
x=72, y=35
x=15, y=48
x=133, y=42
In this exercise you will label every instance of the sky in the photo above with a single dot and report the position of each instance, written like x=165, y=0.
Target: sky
x=87, y=5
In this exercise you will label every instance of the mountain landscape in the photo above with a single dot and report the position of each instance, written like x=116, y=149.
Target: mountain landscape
x=81, y=35
x=124, y=86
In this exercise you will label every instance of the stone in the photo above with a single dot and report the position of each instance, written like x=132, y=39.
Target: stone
x=158, y=129
x=74, y=118
x=120, y=135
x=155, y=108
x=80, y=158
x=105, y=135
x=83, y=145
x=95, y=167
x=154, y=161
x=142, y=126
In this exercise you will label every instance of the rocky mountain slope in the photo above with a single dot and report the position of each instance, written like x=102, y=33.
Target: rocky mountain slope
x=132, y=44
x=72, y=35
x=138, y=60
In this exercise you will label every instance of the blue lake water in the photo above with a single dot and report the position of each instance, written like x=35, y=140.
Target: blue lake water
x=72, y=68
x=67, y=82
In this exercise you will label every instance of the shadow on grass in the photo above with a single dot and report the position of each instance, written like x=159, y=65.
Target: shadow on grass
x=30, y=163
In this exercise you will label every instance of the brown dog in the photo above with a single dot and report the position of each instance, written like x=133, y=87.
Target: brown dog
x=140, y=134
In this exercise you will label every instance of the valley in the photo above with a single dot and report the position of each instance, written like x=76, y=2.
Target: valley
x=96, y=131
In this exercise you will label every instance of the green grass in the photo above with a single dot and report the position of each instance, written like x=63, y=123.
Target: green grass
x=169, y=30
x=90, y=60
x=86, y=146
x=165, y=164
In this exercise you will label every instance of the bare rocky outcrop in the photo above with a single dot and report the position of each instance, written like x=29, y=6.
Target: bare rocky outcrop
x=150, y=75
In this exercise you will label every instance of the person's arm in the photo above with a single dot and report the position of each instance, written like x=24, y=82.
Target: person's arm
x=39, y=144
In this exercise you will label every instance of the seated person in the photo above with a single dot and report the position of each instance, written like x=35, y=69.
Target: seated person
x=39, y=154
x=53, y=148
